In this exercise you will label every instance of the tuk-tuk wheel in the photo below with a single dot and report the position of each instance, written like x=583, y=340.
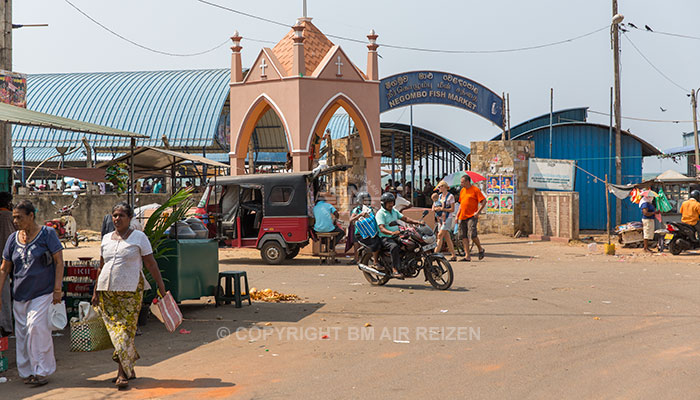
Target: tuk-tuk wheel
x=273, y=253
x=292, y=252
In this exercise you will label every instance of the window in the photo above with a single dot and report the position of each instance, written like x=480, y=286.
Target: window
x=281, y=195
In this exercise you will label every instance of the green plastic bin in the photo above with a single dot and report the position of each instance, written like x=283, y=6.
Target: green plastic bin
x=191, y=269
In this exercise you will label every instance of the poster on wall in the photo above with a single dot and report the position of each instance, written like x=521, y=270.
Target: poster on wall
x=507, y=184
x=493, y=185
x=550, y=174
x=13, y=88
x=506, y=204
x=492, y=204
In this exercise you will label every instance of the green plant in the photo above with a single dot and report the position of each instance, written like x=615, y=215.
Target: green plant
x=118, y=175
x=180, y=203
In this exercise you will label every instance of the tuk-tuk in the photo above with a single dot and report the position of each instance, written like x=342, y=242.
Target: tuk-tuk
x=269, y=212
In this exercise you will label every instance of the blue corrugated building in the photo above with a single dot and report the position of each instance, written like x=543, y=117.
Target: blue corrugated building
x=589, y=145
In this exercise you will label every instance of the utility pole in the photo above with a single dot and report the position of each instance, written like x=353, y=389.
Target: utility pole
x=694, y=102
x=6, y=64
x=618, y=118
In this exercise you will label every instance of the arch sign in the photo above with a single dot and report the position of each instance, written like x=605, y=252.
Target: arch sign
x=435, y=87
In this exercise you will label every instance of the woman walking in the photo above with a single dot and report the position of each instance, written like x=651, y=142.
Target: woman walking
x=34, y=255
x=446, y=206
x=120, y=284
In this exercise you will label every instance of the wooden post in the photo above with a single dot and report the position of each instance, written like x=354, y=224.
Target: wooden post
x=607, y=207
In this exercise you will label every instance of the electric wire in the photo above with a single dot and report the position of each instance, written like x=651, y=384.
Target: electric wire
x=673, y=121
x=150, y=48
x=654, y=66
x=420, y=49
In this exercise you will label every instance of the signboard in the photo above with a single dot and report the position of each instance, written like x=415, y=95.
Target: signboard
x=435, y=87
x=13, y=88
x=500, y=194
x=548, y=174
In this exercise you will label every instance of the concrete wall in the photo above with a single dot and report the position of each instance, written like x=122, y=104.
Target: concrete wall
x=504, y=158
x=91, y=209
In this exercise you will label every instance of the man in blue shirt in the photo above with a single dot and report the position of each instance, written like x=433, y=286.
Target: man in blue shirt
x=388, y=233
x=325, y=215
x=648, y=214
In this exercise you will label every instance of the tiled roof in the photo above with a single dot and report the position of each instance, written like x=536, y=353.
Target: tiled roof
x=316, y=45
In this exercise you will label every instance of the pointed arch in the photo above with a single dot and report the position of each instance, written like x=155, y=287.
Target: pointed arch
x=324, y=116
x=257, y=109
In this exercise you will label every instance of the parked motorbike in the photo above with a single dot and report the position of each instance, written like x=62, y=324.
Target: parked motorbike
x=65, y=226
x=680, y=237
x=417, y=245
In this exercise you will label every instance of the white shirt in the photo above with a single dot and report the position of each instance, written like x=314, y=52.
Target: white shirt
x=123, y=262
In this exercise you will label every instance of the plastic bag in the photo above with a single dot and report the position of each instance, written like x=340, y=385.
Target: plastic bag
x=58, y=316
x=86, y=311
x=662, y=203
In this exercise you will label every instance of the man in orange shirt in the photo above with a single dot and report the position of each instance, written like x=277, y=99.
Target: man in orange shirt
x=690, y=210
x=471, y=203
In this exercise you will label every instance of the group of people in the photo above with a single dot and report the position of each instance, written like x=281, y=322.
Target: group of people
x=690, y=214
x=33, y=260
x=376, y=229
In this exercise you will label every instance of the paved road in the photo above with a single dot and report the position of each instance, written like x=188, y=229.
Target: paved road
x=531, y=321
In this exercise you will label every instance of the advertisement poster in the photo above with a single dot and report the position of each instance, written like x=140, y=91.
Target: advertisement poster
x=13, y=88
x=506, y=204
x=507, y=184
x=493, y=185
x=492, y=203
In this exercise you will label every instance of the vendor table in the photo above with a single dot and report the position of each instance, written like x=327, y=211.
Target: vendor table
x=191, y=268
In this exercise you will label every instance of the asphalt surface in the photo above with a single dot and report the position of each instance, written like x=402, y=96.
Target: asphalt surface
x=531, y=321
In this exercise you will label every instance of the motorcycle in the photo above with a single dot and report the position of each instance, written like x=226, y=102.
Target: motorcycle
x=417, y=245
x=65, y=226
x=680, y=237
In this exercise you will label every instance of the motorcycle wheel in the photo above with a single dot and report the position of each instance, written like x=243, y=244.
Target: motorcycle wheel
x=376, y=281
x=674, y=248
x=439, y=273
x=75, y=240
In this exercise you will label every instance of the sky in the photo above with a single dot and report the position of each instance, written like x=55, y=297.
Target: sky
x=580, y=71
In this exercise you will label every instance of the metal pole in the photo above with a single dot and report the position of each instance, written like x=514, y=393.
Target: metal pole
x=607, y=207
x=131, y=174
x=393, y=161
x=413, y=164
x=695, y=129
x=610, y=135
x=551, y=120
x=618, y=116
x=508, y=108
x=503, y=133
x=6, y=156
x=24, y=161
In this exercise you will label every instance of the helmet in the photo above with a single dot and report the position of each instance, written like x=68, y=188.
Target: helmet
x=695, y=194
x=361, y=196
x=387, y=198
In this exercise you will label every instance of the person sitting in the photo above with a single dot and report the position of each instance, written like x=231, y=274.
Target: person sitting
x=388, y=233
x=690, y=210
x=366, y=231
x=325, y=216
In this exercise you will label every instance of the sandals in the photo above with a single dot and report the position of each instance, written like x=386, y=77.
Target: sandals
x=36, y=380
x=481, y=254
x=464, y=259
x=122, y=383
x=114, y=380
x=453, y=259
x=28, y=380
x=396, y=275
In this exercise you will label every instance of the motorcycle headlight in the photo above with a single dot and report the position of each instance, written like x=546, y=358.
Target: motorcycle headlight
x=428, y=238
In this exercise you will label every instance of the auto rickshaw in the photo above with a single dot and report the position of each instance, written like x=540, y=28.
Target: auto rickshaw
x=270, y=212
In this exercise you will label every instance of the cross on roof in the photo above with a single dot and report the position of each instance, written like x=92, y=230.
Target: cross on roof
x=262, y=68
x=339, y=63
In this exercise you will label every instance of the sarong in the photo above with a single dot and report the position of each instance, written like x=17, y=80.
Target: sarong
x=120, y=312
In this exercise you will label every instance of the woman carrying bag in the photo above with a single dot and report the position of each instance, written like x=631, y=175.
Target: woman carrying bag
x=34, y=255
x=120, y=284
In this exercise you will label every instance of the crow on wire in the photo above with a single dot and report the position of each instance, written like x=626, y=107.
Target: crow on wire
x=648, y=28
x=632, y=25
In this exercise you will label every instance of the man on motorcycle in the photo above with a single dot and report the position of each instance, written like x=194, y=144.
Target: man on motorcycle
x=388, y=233
x=366, y=231
x=690, y=209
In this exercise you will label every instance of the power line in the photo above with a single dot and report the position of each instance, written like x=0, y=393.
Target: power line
x=150, y=48
x=664, y=33
x=673, y=121
x=654, y=66
x=421, y=49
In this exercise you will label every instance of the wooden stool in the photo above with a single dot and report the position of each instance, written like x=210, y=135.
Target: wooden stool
x=326, y=248
x=232, y=291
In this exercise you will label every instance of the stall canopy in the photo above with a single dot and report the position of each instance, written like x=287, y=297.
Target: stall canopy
x=22, y=116
x=153, y=159
x=90, y=174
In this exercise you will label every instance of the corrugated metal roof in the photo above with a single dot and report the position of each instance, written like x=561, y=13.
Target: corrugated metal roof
x=578, y=114
x=39, y=154
x=183, y=105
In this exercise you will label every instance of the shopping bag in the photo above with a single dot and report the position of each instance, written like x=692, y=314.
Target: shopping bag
x=57, y=316
x=89, y=335
x=166, y=310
